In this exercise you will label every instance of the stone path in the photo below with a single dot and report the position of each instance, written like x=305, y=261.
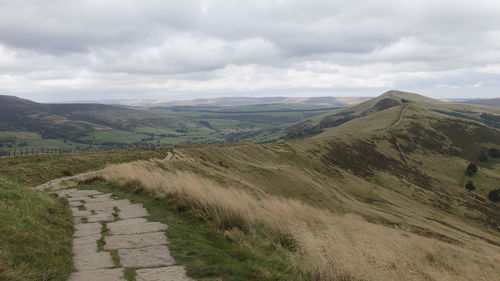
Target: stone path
x=112, y=234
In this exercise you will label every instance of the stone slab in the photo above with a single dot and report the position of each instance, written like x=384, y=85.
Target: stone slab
x=134, y=211
x=79, y=220
x=98, y=275
x=145, y=257
x=82, y=192
x=105, y=204
x=78, y=213
x=100, y=217
x=78, y=198
x=87, y=229
x=169, y=273
x=63, y=192
x=98, y=260
x=134, y=240
x=133, y=226
x=75, y=204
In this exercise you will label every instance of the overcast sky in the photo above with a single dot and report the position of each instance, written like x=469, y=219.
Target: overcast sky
x=60, y=50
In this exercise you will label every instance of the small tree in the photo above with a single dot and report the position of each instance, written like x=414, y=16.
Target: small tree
x=493, y=152
x=471, y=169
x=470, y=185
x=494, y=195
x=483, y=157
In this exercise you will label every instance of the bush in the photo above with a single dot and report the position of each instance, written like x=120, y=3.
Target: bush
x=471, y=169
x=493, y=152
x=67, y=173
x=494, y=195
x=470, y=186
x=483, y=157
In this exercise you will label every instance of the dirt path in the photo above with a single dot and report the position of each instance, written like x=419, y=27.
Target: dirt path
x=111, y=235
x=399, y=119
x=53, y=182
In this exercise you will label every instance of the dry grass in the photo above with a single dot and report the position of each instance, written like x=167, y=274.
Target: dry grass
x=324, y=245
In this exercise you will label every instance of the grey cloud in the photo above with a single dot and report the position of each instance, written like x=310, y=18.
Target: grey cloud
x=207, y=46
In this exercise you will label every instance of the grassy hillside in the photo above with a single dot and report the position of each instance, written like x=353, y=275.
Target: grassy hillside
x=315, y=125
x=36, y=228
x=379, y=197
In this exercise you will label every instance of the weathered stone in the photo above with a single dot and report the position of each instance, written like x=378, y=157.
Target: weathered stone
x=100, y=217
x=79, y=220
x=98, y=275
x=169, y=273
x=64, y=192
x=86, y=239
x=98, y=260
x=105, y=204
x=145, y=257
x=75, y=204
x=134, y=240
x=82, y=192
x=134, y=211
x=101, y=197
x=87, y=229
x=132, y=226
x=78, y=198
x=78, y=213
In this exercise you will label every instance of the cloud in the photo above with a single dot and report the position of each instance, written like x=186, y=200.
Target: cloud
x=57, y=50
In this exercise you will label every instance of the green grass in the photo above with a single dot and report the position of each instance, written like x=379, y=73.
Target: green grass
x=34, y=170
x=207, y=253
x=113, y=136
x=35, y=235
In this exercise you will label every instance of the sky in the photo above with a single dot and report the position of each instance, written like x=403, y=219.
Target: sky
x=60, y=50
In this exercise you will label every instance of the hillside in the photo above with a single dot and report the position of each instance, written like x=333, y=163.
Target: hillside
x=315, y=125
x=31, y=125
x=378, y=197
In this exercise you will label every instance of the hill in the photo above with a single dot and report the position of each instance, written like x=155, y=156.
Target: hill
x=245, y=101
x=31, y=125
x=378, y=197
x=315, y=125
x=488, y=102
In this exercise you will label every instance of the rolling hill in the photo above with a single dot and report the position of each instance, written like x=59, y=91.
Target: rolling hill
x=378, y=197
x=35, y=125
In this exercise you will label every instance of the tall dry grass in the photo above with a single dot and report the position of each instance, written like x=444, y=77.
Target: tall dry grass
x=325, y=245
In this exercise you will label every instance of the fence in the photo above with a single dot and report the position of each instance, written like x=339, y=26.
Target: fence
x=38, y=151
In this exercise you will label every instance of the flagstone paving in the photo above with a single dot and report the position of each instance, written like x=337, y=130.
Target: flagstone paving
x=104, y=224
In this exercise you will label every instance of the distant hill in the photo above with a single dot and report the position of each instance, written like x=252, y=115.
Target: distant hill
x=489, y=102
x=65, y=125
x=244, y=101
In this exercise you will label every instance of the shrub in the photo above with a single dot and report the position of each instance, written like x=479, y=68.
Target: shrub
x=493, y=152
x=483, y=157
x=470, y=186
x=494, y=195
x=471, y=169
x=67, y=173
